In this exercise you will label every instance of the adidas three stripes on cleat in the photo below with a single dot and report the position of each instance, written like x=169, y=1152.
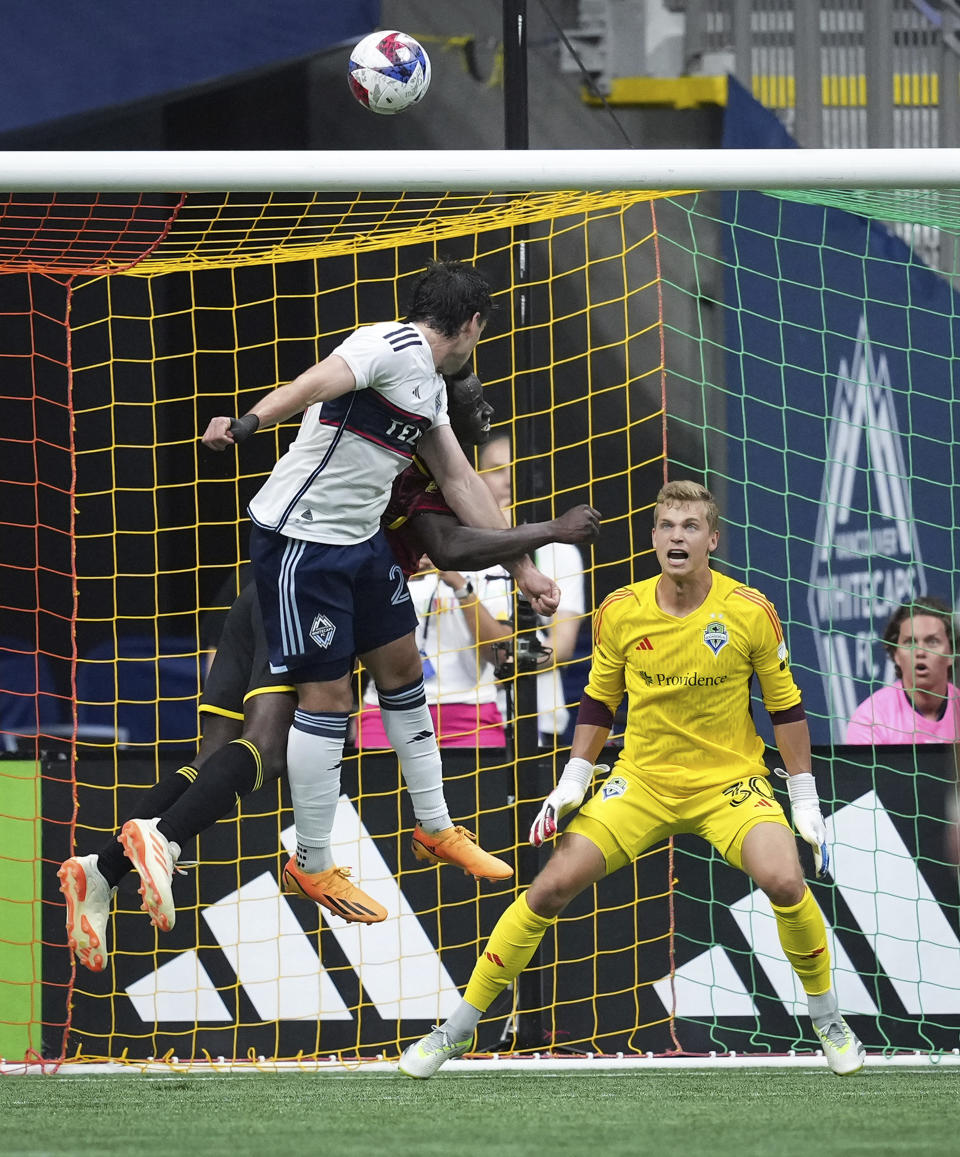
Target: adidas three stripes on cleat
x=332, y=890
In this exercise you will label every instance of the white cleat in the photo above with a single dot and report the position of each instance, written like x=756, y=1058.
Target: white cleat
x=844, y=1052
x=425, y=1056
x=88, y=897
x=150, y=854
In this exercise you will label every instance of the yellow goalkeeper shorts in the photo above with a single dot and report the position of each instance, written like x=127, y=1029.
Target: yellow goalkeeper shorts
x=625, y=817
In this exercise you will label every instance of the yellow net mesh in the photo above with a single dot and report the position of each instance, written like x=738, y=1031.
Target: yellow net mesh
x=129, y=544
x=161, y=233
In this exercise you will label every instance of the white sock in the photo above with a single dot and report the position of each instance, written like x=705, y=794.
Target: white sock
x=314, y=753
x=824, y=1004
x=463, y=1021
x=407, y=722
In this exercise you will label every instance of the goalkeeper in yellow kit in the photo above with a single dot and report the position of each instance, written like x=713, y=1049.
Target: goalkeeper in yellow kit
x=684, y=647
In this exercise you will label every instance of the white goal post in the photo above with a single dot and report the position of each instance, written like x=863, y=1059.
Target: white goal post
x=472, y=170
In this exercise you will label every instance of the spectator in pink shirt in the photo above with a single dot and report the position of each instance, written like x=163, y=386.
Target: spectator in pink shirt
x=923, y=705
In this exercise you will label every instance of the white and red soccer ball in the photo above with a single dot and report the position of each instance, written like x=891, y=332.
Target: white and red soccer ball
x=388, y=72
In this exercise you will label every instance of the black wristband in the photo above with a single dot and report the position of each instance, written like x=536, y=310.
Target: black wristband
x=242, y=428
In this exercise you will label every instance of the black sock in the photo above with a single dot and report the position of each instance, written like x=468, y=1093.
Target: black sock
x=229, y=774
x=111, y=861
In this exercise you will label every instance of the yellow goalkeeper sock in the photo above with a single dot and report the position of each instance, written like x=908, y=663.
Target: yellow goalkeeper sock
x=514, y=940
x=803, y=937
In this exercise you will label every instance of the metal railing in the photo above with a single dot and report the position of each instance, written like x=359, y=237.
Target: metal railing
x=839, y=73
x=843, y=74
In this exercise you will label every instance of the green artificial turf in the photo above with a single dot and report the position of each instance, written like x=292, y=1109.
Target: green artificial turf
x=705, y=1114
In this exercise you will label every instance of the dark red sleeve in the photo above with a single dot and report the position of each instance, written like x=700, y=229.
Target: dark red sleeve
x=791, y=715
x=414, y=492
x=593, y=713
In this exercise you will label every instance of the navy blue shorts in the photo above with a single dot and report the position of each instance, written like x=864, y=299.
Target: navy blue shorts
x=323, y=605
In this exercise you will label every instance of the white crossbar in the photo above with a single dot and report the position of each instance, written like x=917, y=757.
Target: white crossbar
x=477, y=170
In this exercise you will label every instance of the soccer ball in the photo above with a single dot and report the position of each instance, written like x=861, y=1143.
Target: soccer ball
x=388, y=72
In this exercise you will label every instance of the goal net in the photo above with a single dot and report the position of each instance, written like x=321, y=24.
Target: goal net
x=638, y=336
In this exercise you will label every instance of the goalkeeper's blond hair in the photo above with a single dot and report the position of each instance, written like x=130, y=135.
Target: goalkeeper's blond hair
x=677, y=493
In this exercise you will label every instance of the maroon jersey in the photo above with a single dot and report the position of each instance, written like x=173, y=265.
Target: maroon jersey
x=414, y=492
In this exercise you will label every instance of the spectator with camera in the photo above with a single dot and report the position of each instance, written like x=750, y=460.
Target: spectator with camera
x=563, y=562
x=461, y=614
x=464, y=605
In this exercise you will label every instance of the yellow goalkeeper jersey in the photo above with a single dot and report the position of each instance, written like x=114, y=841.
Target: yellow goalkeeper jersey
x=688, y=681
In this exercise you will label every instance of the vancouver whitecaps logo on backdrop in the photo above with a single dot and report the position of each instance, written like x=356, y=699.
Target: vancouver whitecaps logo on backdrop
x=866, y=556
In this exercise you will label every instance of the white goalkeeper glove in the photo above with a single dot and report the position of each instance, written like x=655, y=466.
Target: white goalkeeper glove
x=567, y=795
x=807, y=819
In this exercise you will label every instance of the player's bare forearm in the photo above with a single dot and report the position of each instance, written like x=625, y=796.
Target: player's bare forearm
x=452, y=546
x=468, y=497
x=463, y=490
x=589, y=739
x=470, y=500
x=793, y=743
x=281, y=404
x=320, y=383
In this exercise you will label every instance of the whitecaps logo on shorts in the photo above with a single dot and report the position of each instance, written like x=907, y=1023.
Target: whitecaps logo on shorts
x=322, y=631
x=614, y=786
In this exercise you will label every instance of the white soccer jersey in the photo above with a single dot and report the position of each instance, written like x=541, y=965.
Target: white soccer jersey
x=334, y=481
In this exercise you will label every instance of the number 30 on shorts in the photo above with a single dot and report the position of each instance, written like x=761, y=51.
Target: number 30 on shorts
x=743, y=790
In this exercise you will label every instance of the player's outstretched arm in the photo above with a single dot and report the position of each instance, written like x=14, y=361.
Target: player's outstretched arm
x=793, y=743
x=320, y=383
x=452, y=546
x=469, y=498
x=576, y=525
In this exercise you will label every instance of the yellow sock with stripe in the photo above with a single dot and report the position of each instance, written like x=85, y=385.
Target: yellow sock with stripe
x=514, y=940
x=803, y=937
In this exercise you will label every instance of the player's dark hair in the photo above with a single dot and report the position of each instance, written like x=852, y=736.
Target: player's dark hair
x=447, y=294
x=924, y=605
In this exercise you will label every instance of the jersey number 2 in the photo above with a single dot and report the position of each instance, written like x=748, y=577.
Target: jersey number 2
x=400, y=593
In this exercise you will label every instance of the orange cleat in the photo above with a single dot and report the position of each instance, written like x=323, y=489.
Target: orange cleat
x=151, y=855
x=88, y=897
x=458, y=846
x=332, y=890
